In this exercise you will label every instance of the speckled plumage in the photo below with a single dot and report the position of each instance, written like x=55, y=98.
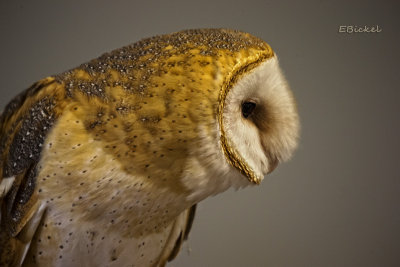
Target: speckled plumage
x=109, y=159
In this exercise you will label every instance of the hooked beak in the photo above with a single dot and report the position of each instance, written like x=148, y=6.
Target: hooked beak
x=273, y=163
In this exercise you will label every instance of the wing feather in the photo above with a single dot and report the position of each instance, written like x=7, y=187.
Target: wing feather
x=179, y=233
x=24, y=125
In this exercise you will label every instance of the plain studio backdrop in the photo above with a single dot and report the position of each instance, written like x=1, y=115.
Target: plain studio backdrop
x=337, y=202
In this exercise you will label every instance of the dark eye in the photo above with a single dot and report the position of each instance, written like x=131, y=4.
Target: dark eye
x=248, y=108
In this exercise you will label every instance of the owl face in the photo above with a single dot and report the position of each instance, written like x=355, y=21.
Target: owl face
x=260, y=121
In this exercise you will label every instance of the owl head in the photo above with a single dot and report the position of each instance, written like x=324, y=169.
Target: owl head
x=258, y=119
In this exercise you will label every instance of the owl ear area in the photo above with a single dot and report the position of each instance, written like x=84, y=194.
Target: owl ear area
x=248, y=107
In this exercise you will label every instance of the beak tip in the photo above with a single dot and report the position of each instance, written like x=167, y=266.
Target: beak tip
x=274, y=163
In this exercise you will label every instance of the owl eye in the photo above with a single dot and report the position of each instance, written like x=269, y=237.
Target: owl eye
x=248, y=108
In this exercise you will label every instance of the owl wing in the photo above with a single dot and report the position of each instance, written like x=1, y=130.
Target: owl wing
x=24, y=125
x=179, y=233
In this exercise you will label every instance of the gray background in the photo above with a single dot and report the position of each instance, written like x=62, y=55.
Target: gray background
x=336, y=203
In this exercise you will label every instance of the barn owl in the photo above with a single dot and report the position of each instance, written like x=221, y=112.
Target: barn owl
x=103, y=165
